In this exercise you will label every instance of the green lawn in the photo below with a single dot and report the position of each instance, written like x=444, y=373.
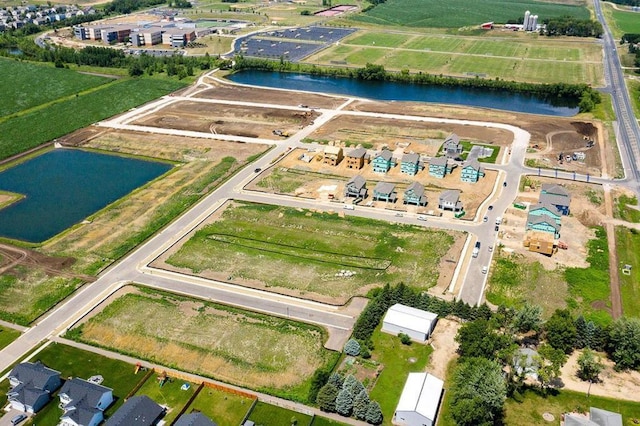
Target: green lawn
x=323, y=421
x=7, y=335
x=378, y=39
x=459, y=13
x=624, y=212
x=34, y=128
x=269, y=415
x=626, y=22
x=224, y=408
x=304, y=251
x=628, y=248
x=398, y=360
x=169, y=395
x=35, y=84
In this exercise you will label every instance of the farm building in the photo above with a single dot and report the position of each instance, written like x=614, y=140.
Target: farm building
x=419, y=401
x=355, y=158
x=332, y=155
x=415, y=323
x=597, y=417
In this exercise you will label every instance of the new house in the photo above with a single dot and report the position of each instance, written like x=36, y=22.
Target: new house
x=450, y=200
x=410, y=164
x=545, y=210
x=419, y=401
x=332, y=155
x=452, y=147
x=194, y=419
x=83, y=402
x=385, y=191
x=415, y=323
x=31, y=385
x=415, y=195
x=557, y=196
x=471, y=171
x=139, y=410
x=440, y=166
x=356, y=187
x=383, y=161
x=543, y=224
x=355, y=158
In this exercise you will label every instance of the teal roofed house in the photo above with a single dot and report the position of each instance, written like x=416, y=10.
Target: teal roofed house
x=410, y=164
x=471, y=171
x=385, y=191
x=415, y=195
x=440, y=166
x=383, y=161
x=545, y=210
x=543, y=224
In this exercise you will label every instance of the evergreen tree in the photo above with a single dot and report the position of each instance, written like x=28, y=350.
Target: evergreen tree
x=589, y=366
x=344, y=402
x=360, y=405
x=336, y=380
x=352, y=347
x=374, y=413
x=327, y=398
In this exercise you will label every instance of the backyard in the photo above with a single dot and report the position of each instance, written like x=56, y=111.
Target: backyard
x=321, y=256
x=270, y=415
x=232, y=345
x=226, y=409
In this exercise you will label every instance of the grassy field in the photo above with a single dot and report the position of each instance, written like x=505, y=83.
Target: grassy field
x=7, y=335
x=628, y=248
x=240, y=347
x=270, y=415
x=224, y=408
x=52, y=84
x=170, y=395
x=584, y=290
x=25, y=294
x=323, y=421
x=304, y=251
x=398, y=360
x=460, y=13
x=35, y=127
x=624, y=22
x=624, y=211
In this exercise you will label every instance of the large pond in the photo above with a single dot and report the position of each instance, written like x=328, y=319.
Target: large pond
x=64, y=186
x=389, y=91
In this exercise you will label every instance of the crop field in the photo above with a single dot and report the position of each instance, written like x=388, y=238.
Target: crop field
x=232, y=345
x=27, y=293
x=624, y=22
x=52, y=84
x=35, y=127
x=460, y=13
x=302, y=252
x=501, y=59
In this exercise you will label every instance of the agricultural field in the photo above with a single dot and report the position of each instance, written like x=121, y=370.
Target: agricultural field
x=628, y=248
x=224, y=408
x=622, y=22
x=270, y=415
x=34, y=128
x=240, y=347
x=307, y=253
x=7, y=335
x=460, y=13
x=26, y=293
x=53, y=84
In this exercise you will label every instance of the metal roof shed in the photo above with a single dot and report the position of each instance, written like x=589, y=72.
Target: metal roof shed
x=419, y=401
x=416, y=323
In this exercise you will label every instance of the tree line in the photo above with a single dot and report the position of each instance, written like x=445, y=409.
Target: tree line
x=634, y=46
x=581, y=95
x=627, y=2
x=571, y=26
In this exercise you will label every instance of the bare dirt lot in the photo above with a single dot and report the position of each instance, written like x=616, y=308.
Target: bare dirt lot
x=444, y=346
x=228, y=91
x=228, y=119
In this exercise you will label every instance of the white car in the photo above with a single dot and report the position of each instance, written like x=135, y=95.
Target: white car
x=485, y=269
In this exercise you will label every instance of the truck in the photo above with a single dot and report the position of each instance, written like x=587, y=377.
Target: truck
x=498, y=220
x=476, y=249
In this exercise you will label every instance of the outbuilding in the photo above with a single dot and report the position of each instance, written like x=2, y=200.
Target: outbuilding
x=419, y=401
x=416, y=323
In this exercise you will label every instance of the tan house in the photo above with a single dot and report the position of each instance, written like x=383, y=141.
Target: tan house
x=540, y=242
x=332, y=155
x=355, y=158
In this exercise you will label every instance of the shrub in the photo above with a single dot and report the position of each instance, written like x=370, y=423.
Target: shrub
x=344, y=403
x=404, y=339
x=352, y=347
x=327, y=398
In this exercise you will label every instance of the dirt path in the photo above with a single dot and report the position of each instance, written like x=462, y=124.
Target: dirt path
x=444, y=347
x=614, y=273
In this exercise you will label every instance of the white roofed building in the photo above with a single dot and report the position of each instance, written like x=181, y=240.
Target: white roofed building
x=416, y=323
x=419, y=402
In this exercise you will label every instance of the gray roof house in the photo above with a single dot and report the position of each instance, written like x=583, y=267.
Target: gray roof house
x=450, y=200
x=31, y=385
x=83, y=402
x=385, y=191
x=139, y=410
x=414, y=194
x=194, y=419
x=452, y=147
x=356, y=187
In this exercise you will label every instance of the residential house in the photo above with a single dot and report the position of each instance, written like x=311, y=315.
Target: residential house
x=419, y=401
x=450, y=200
x=355, y=158
x=332, y=155
x=385, y=191
x=452, y=147
x=541, y=242
x=31, y=386
x=410, y=164
x=383, y=161
x=440, y=166
x=557, y=196
x=471, y=171
x=356, y=187
x=414, y=194
x=545, y=210
x=543, y=224
x=139, y=410
x=194, y=419
x=83, y=402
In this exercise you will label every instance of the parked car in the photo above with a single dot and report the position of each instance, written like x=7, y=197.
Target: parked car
x=18, y=419
x=485, y=219
x=258, y=170
x=490, y=249
x=505, y=183
x=497, y=228
x=491, y=207
x=485, y=269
